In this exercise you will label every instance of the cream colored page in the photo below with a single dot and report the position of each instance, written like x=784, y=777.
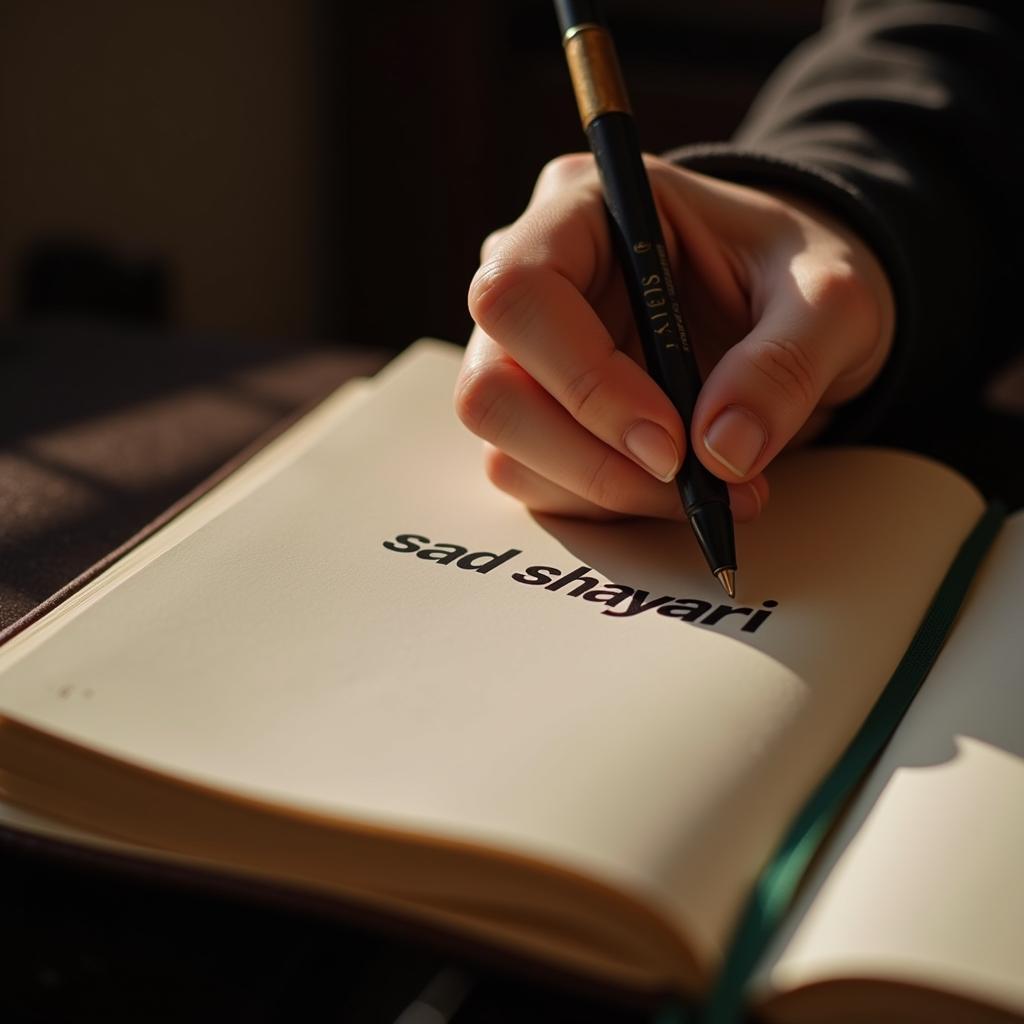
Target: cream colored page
x=924, y=881
x=240, y=483
x=282, y=651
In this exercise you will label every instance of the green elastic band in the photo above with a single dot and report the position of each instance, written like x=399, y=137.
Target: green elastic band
x=776, y=886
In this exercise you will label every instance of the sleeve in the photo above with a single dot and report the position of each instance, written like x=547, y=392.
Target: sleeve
x=900, y=118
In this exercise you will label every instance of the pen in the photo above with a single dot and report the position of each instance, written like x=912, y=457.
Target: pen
x=611, y=132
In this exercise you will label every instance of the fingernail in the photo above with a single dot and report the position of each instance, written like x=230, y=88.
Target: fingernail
x=736, y=438
x=651, y=446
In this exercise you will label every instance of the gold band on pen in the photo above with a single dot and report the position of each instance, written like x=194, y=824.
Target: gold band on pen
x=594, y=69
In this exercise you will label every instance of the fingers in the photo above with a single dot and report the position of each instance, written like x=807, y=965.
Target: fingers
x=531, y=297
x=501, y=403
x=537, y=492
x=552, y=463
x=818, y=343
x=762, y=392
x=542, y=495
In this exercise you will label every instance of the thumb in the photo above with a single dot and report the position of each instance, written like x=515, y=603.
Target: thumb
x=767, y=386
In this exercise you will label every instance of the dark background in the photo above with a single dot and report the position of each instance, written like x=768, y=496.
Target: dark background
x=311, y=168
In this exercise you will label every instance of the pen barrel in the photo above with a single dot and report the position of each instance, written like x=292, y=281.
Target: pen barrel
x=573, y=13
x=636, y=232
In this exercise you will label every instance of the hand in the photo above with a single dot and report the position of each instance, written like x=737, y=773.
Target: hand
x=789, y=312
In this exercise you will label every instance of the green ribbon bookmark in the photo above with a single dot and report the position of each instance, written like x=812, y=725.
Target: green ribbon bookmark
x=776, y=886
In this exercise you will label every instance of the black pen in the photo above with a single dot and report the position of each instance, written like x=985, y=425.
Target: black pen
x=611, y=131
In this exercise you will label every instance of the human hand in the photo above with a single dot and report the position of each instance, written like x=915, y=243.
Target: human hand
x=789, y=312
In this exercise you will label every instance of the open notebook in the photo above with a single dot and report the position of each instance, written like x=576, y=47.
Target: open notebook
x=357, y=669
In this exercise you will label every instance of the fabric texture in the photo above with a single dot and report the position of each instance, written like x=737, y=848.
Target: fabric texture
x=900, y=118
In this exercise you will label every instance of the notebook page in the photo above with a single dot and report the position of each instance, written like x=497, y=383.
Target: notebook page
x=922, y=881
x=242, y=480
x=283, y=651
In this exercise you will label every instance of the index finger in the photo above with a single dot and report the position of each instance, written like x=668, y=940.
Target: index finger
x=530, y=297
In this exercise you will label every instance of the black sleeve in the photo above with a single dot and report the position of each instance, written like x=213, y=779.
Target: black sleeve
x=900, y=117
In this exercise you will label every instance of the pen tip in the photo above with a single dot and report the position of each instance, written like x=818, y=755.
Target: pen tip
x=727, y=577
